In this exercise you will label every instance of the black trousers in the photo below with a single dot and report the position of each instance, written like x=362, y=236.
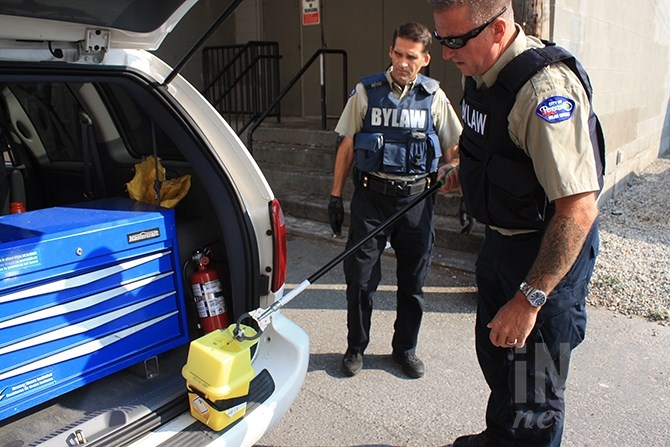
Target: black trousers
x=526, y=406
x=412, y=238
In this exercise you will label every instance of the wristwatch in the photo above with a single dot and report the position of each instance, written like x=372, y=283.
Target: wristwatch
x=535, y=297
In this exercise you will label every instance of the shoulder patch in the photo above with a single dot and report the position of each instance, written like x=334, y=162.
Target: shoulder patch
x=556, y=109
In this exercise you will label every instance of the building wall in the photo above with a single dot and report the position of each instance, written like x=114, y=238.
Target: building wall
x=362, y=28
x=241, y=25
x=625, y=46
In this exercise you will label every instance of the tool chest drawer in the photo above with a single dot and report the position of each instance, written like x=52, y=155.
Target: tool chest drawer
x=85, y=291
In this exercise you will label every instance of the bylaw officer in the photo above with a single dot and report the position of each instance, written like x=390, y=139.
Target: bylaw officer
x=531, y=166
x=395, y=127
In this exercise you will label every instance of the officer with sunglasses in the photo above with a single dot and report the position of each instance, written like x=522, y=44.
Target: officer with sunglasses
x=531, y=167
x=395, y=127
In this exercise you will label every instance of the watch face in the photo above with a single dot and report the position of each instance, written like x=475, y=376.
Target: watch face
x=537, y=298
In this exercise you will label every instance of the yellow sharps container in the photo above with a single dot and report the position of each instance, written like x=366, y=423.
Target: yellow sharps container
x=218, y=372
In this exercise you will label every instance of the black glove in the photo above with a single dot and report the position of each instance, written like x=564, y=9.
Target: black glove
x=467, y=221
x=336, y=214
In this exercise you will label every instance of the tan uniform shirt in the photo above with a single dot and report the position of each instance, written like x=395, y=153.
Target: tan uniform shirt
x=562, y=152
x=445, y=120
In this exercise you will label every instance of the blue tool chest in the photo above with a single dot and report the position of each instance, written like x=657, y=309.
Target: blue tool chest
x=85, y=291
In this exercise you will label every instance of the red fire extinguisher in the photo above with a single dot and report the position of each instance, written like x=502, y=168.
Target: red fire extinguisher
x=208, y=295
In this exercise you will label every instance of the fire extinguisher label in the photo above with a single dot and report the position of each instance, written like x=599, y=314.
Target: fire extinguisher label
x=211, y=287
x=210, y=308
x=206, y=288
x=209, y=299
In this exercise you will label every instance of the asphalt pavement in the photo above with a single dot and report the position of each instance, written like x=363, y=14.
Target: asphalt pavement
x=618, y=386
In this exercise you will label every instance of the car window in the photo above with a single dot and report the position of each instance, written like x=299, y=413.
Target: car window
x=54, y=113
x=134, y=15
x=143, y=136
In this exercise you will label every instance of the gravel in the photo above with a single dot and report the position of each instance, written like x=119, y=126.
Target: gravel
x=632, y=274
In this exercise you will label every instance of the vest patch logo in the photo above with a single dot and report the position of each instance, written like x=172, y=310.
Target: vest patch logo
x=403, y=118
x=474, y=119
x=556, y=109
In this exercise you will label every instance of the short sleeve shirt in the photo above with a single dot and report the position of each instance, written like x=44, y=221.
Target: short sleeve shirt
x=561, y=151
x=446, y=122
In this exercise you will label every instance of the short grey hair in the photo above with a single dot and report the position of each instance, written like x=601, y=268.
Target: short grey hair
x=480, y=10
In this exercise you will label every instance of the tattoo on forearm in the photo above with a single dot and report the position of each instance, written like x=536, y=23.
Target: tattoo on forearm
x=560, y=247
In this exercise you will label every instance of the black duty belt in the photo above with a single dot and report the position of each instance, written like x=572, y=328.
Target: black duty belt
x=394, y=188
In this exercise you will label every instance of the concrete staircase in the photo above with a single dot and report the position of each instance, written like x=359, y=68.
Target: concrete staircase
x=297, y=158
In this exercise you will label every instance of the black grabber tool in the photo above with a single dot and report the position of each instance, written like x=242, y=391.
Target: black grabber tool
x=219, y=367
x=263, y=316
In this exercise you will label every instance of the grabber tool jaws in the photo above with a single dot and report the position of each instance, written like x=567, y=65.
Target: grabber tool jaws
x=262, y=317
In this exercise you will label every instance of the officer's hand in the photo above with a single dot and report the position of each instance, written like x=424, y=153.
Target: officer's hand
x=467, y=221
x=336, y=214
x=448, y=175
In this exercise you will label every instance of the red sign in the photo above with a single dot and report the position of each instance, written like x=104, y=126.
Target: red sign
x=310, y=12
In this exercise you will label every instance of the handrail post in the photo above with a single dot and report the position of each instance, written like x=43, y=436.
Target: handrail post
x=277, y=84
x=319, y=53
x=323, y=90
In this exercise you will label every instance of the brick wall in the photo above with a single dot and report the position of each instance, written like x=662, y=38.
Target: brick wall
x=625, y=46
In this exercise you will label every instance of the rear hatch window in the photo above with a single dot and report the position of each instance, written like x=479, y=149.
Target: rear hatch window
x=135, y=23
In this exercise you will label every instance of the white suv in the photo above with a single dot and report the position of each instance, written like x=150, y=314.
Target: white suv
x=96, y=307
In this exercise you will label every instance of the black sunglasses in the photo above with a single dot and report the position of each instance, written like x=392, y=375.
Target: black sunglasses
x=456, y=42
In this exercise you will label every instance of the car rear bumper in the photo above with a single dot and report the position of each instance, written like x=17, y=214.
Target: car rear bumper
x=280, y=365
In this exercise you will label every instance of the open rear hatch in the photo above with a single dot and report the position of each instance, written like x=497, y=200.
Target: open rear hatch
x=128, y=24
x=117, y=408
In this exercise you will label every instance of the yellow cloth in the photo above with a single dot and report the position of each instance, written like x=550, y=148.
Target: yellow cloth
x=141, y=187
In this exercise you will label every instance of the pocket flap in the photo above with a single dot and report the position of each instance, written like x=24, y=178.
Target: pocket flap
x=368, y=141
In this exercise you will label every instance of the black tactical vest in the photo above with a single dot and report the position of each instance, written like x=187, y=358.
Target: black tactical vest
x=497, y=178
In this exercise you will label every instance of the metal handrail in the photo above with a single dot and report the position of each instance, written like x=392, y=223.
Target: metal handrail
x=242, y=51
x=317, y=54
x=242, y=75
x=222, y=18
x=244, y=84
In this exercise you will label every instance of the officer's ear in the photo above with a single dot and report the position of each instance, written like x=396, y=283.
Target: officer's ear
x=499, y=26
x=426, y=59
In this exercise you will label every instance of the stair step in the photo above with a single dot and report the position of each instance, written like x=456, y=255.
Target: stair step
x=292, y=154
x=284, y=178
x=297, y=158
x=290, y=135
x=447, y=227
x=303, y=186
x=450, y=257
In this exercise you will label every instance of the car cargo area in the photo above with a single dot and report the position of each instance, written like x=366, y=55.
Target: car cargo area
x=96, y=307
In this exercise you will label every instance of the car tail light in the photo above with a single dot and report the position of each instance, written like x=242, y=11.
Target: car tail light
x=278, y=245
